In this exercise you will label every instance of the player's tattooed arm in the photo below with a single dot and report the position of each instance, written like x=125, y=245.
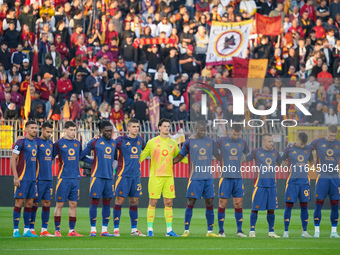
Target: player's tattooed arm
x=177, y=159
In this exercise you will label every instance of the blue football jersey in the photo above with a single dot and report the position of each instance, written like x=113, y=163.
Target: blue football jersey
x=231, y=152
x=328, y=154
x=27, y=160
x=128, y=152
x=200, y=153
x=44, y=159
x=104, y=154
x=69, y=154
x=297, y=160
x=265, y=160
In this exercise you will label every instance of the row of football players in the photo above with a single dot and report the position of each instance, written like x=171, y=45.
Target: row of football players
x=32, y=168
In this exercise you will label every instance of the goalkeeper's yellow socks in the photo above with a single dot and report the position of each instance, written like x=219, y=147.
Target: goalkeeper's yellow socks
x=150, y=217
x=168, y=214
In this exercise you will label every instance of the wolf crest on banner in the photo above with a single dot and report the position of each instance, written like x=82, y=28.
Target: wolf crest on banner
x=227, y=40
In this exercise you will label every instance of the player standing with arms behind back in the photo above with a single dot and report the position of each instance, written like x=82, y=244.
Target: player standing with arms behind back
x=68, y=149
x=231, y=183
x=201, y=183
x=162, y=150
x=264, y=194
x=129, y=148
x=101, y=185
x=24, y=167
x=298, y=185
x=327, y=179
x=44, y=178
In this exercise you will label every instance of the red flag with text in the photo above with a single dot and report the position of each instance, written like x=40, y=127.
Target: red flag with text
x=266, y=25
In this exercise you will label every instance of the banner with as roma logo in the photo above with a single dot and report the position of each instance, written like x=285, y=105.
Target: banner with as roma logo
x=227, y=40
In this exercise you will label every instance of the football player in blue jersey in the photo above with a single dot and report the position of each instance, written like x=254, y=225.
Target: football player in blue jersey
x=298, y=186
x=23, y=163
x=264, y=194
x=129, y=148
x=44, y=178
x=327, y=178
x=101, y=185
x=68, y=149
x=232, y=149
x=201, y=149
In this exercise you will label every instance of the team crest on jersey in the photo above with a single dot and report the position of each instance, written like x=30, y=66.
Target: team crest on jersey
x=306, y=152
x=294, y=152
x=262, y=155
x=138, y=142
x=170, y=146
x=59, y=198
x=95, y=194
x=75, y=145
x=257, y=207
x=208, y=144
x=165, y=153
x=20, y=194
x=239, y=145
x=192, y=193
x=120, y=192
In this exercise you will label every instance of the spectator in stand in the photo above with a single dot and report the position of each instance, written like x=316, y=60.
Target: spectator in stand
x=325, y=77
x=5, y=56
x=334, y=92
x=12, y=36
x=262, y=51
x=56, y=58
x=55, y=113
x=176, y=98
x=317, y=117
x=309, y=8
x=295, y=28
x=129, y=53
x=318, y=67
x=94, y=85
x=104, y=113
x=319, y=30
x=88, y=118
x=11, y=113
x=16, y=96
x=105, y=51
x=181, y=114
x=202, y=6
x=144, y=91
x=48, y=68
x=168, y=112
x=74, y=107
x=47, y=87
x=139, y=109
x=7, y=101
x=331, y=118
x=322, y=11
x=65, y=88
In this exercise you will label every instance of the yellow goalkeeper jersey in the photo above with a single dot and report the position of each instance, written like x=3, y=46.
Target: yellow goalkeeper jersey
x=162, y=152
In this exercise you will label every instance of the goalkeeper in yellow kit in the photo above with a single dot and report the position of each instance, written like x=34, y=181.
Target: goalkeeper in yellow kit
x=162, y=150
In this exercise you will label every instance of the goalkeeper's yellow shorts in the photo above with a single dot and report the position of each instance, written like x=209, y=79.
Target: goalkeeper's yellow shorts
x=161, y=185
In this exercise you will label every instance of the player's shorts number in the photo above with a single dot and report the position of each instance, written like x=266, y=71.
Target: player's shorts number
x=51, y=191
x=306, y=192
x=139, y=187
x=172, y=188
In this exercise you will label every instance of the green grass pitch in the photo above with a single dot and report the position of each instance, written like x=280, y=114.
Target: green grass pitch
x=197, y=243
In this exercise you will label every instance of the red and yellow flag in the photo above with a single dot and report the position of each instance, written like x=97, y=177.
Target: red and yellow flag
x=267, y=25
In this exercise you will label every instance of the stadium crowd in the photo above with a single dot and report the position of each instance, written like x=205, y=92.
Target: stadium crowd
x=90, y=53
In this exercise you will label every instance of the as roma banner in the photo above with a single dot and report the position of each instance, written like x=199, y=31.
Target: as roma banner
x=249, y=72
x=268, y=25
x=227, y=40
